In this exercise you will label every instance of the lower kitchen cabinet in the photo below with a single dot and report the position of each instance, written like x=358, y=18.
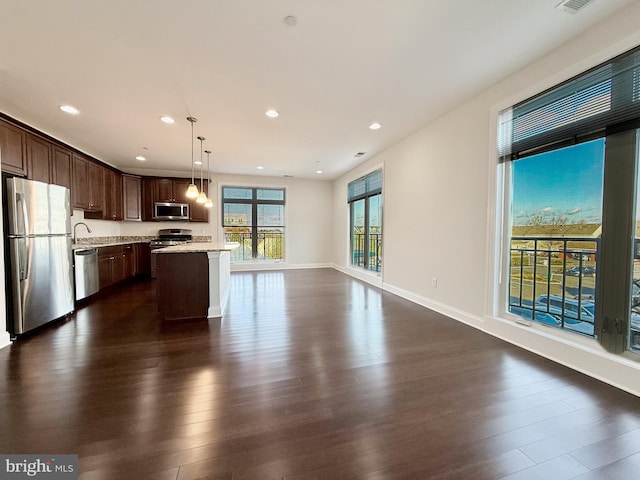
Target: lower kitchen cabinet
x=143, y=259
x=117, y=263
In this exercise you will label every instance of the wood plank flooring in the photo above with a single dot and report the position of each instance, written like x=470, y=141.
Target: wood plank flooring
x=310, y=375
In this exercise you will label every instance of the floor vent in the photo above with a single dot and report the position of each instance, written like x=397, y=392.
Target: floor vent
x=573, y=6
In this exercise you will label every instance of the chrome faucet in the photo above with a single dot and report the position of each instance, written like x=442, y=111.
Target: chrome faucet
x=75, y=235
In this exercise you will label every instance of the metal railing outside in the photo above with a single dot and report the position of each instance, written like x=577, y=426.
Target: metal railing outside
x=552, y=280
x=372, y=261
x=269, y=247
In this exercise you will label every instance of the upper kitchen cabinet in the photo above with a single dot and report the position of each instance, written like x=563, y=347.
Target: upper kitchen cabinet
x=38, y=159
x=170, y=190
x=88, y=184
x=12, y=149
x=148, y=194
x=112, y=195
x=197, y=211
x=180, y=186
x=132, y=197
x=61, y=171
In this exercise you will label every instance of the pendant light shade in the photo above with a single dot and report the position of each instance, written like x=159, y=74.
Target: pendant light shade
x=192, y=191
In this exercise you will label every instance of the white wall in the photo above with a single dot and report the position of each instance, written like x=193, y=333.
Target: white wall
x=439, y=212
x=308, y=221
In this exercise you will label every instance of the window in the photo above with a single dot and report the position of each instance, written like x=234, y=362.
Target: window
x=254, y=218
x=365, y=207
x=569, y=161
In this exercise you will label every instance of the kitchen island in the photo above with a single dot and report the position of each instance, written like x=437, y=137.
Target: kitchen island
x=193, y=279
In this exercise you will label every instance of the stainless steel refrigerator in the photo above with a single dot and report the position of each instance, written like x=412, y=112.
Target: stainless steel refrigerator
x=39, y=238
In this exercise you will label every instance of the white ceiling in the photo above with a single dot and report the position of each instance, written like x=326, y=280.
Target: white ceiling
x=344, y=65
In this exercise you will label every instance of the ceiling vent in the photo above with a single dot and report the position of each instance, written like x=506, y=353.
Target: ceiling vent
x=573, y=6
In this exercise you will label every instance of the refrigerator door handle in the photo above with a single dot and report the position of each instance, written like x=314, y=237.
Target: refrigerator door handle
x=25, y=217
x=23, y=260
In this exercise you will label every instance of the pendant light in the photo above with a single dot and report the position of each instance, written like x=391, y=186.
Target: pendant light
x=202, y=197
x=209, y=202
x=192, y=191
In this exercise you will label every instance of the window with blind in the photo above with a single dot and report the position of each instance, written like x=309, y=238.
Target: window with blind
x=254, y=218
x=365, y=213
x=569, y=162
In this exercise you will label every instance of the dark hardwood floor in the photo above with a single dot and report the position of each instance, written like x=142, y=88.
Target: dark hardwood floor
x=310, y=375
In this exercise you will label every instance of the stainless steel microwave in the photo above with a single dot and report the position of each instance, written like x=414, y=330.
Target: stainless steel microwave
x=170, y=211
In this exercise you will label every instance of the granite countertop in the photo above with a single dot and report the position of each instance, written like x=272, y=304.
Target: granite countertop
x=85, y=245
x=97, y=242
x=198, y=247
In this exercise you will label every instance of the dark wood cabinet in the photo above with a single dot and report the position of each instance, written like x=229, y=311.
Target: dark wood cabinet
x=197, y=211
x=122, y=262
x=61, y=171
x=96, y=186
x=88, y=184
x=132, y=196
x=117, y=263
x=148, y=189
x=80, y=182
x=171, y=190
x=38, y=159
x=12, y=149
x=180, y=186
x=104, y=271
x=182, y=285
x=164, y=190
x=143, y=259
x=112, y=206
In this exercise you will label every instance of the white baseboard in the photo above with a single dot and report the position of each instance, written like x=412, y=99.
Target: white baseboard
x=369, y=277
x=259, y=266
x=447, y=310
x=5, y=339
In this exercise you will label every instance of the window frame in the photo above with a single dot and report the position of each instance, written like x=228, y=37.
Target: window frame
x=255, y=202
x=368, y=193
x=618, y=221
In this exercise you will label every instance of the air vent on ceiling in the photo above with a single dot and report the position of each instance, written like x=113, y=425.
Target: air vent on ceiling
x=359, y=154
x=573, y=6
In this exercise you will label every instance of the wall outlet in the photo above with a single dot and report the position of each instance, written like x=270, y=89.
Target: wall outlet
x=434, y=282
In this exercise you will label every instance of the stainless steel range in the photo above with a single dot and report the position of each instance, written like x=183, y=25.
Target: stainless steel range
x=166, y=238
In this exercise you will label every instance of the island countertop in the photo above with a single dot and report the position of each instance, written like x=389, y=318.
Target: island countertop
x=198, y=247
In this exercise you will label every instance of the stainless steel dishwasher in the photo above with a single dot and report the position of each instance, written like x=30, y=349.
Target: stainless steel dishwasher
x=85, y=261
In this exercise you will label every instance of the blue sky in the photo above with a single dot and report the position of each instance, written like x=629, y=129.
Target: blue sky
x=565, y=182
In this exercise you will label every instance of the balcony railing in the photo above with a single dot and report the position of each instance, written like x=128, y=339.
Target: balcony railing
x=269, y=245
x=553, y=281
x=372, y=259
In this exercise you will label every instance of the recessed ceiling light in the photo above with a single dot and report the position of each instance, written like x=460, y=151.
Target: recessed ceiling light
x=375, y=126
x=167, y=119
x=319, y=171
x=260, y=167
x=141, y=158
x=197, y=162
x=271, y=113
x=291, y=20
x=69, y=109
